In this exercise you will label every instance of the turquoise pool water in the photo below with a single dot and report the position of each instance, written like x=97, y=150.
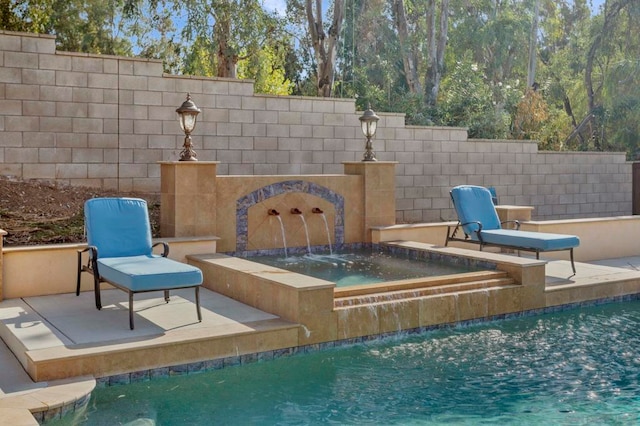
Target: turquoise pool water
x=362, y=267
x=578, y=367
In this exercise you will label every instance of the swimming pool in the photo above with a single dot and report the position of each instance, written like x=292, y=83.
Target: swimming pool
x=580, y=366
x=364, y=266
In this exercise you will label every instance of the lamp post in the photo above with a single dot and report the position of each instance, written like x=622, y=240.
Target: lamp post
x=369, y=122
x=187, y=115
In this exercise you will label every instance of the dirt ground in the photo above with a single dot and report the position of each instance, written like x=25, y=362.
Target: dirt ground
x=35, y=213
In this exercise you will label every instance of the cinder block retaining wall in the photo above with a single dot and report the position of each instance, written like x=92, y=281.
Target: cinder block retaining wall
x=107, y=121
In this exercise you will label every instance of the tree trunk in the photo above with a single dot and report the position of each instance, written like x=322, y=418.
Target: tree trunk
x=227, y=59
x=325, y=47
x=609, y=16
x=437, y=44
x=409, y=58
x=533, y=46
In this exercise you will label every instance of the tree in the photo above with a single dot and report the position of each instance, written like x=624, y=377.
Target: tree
x=218, y=37
x=325, y=42
x=408, y=49
x=228, y=31
x=611, y=12
x=90, y=26
x=10, y=18
x=437, y=42
x=533, y=38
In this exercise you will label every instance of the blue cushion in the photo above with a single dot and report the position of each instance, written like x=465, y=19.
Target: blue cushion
x=118, y=226
x=145, y=273
x=474, y=204
x=541, y=241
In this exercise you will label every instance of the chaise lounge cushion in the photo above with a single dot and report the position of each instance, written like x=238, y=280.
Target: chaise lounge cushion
x=531, y=240
x=118, y=226
x=479, y=220
x=149, y=272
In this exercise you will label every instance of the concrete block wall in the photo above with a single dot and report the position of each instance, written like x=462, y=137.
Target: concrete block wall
x=107, y=121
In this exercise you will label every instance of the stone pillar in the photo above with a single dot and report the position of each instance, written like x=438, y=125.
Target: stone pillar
x=510, y=213
x=379, y=192
x=188, y=198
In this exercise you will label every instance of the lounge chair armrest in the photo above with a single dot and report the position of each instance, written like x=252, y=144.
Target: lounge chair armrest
x=515, y=222
x=473, y=222
x=80, y=251
x=93, y=252
x=165, y=248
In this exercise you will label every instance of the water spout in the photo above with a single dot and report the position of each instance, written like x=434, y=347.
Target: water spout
x=326, y=226
x=284, y=240
x=296, y=211
x=273, y=212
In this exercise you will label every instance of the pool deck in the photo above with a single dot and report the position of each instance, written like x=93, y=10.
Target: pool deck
x=67, y=335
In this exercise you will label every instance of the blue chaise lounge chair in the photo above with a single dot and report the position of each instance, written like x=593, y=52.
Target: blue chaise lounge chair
x=120, y=253
x=480, y=223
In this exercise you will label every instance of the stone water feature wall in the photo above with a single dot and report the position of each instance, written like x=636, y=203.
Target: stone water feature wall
x=196, y=201
x=109, y=121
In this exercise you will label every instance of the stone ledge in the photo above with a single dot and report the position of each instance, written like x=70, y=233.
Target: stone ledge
x=59, y=398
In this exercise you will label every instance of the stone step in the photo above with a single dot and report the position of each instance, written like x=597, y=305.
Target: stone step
x=403, y=291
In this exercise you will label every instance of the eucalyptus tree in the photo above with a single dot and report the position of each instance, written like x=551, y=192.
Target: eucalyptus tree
x=227, y=32
x=153, y=29
x=405, y=27
x=611, y=76
x=603, y=48
x=10, y=16
x=437, y=43
x=91, y=26
x=325, y=41
x=221, y=38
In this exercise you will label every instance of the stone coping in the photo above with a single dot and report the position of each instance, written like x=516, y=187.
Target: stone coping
x=67, y=246
x=58, y=399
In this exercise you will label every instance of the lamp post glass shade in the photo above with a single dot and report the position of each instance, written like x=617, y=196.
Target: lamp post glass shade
x=187, y=116
x=187, y=121
x=369, y=123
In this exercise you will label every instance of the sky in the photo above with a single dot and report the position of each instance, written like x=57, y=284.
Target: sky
x=275, y=6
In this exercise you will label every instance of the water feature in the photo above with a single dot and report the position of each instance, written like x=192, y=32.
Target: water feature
x=363, y=266
x=579, y=366
x=298, y=213
x=274, y=212
x=316, y=210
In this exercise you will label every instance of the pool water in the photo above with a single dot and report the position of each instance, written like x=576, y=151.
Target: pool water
x=362, y=267
x=570, y=368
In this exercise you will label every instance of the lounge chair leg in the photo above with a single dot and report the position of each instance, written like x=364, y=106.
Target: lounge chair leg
x=573, y=266
x=198, y=303
x=131, y=310
x=96, y=290
x=79, y=273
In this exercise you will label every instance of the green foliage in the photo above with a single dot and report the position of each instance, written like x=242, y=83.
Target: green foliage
x=467, y=101
x=91, y=26
x=531, y=114
x=269, y=76
x=552, y=134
